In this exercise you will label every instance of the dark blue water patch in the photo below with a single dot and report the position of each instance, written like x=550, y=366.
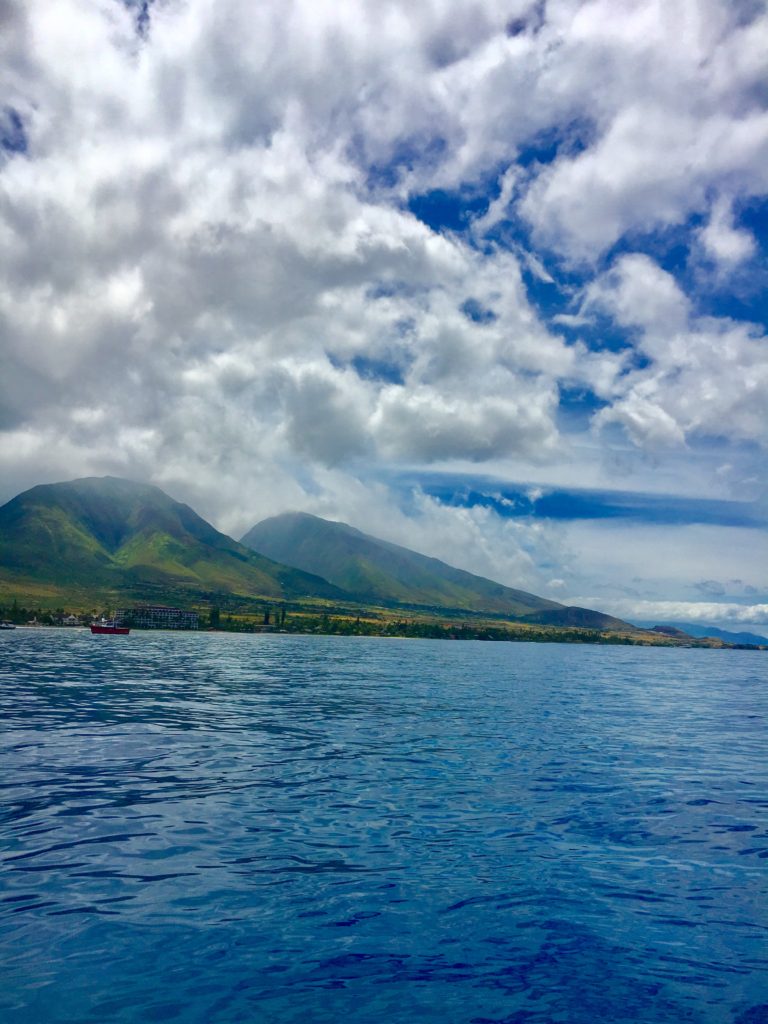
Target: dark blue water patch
x=210, y=828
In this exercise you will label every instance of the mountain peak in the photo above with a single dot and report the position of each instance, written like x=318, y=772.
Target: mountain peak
x=109, y=534
x=376, y=570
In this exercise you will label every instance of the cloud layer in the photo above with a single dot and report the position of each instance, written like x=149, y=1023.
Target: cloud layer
x=214, y=275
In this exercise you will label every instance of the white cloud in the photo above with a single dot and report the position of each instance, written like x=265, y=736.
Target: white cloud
x=651, y=169
x=705, y=612
x=676, y=111
x=704, y=375
x=638, y=293
x=625, y=560
x=723, y=242
x=422, y=424
x=572, y=319
x=210, y=277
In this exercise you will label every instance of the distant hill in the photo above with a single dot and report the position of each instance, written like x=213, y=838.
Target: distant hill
x=680, y=634
x=113, y=537
x=377, y=571
x=572, y=615
x=697, y=630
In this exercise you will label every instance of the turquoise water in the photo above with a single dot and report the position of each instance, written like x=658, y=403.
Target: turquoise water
x=207, y=828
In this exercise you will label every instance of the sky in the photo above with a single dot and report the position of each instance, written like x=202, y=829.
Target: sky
x=484, y=278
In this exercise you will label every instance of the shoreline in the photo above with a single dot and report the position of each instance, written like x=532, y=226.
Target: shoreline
x=435, y=631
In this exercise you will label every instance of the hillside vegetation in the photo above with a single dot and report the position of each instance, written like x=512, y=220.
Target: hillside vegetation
x=110, y=541
x=379, y=572
x=107, y=537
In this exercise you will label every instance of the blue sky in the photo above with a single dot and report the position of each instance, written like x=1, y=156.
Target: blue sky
x=516, y=502
x=487, y=279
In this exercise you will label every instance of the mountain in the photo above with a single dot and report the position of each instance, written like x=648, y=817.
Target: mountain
x=572, y=615
x=113, y=541
x=697, y=630
x=679, y=634
x=111, y=537
x=377, y=571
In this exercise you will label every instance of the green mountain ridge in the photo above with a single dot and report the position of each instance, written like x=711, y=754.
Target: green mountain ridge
x=377, y=571
x=113, y=537
x=116, y=541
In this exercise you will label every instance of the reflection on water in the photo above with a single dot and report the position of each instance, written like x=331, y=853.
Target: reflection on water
x=204, y=828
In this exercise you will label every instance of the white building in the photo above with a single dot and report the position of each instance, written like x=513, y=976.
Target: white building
x=156, y=616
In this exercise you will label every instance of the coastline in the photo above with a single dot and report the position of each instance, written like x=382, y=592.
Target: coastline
x=442, y=630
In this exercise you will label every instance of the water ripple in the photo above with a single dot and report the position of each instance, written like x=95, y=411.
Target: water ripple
x=215, y=829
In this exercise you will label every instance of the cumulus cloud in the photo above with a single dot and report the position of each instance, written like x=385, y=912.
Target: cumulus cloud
x=711, y=612
x=211, y=275
x=726, y=244
x=423, y=424
x=703, y=375
x=676, y=112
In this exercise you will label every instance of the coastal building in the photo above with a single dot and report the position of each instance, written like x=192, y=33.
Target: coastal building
x=156, y=616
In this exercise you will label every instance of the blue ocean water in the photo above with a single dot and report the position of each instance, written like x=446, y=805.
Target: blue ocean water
x=207, y=828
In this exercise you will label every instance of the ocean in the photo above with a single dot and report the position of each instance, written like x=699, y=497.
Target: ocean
x=208, y=828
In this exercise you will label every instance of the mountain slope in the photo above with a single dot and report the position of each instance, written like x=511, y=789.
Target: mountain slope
x=740, y=637
x=113, y=536
x=574, y=616
x=378, y=571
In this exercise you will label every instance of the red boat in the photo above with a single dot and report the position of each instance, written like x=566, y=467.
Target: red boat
x=109, y=628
